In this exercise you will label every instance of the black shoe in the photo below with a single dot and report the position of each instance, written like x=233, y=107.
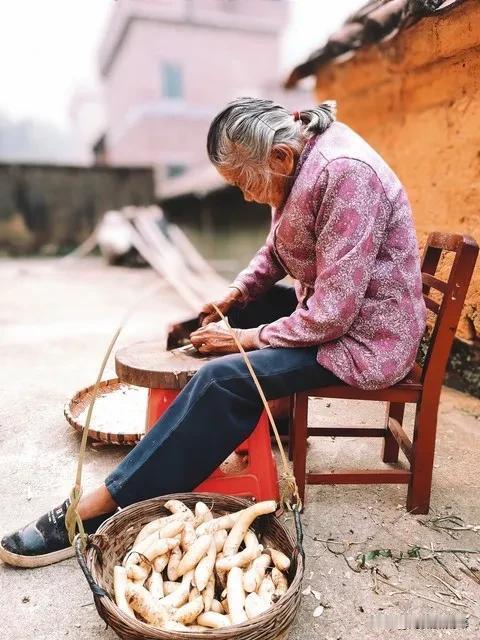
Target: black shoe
x=44, y=541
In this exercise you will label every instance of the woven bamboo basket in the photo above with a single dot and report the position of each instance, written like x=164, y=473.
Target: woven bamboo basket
x=108, y=547
x=121, y=396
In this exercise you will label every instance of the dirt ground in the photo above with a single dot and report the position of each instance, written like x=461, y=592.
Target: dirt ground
x=55, y=323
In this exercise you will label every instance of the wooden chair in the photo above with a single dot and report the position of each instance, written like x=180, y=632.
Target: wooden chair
x=422, y=387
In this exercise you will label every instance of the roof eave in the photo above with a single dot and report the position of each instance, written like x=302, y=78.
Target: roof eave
x=325, y=56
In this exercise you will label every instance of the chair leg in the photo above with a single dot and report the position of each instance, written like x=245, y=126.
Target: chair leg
x=291, y=430
x=423, y=452
x=300, y=418
x=390, y=445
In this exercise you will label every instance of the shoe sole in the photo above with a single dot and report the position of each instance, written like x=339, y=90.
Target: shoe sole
x=32, y=562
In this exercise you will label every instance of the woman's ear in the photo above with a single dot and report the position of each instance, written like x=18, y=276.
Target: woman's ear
x=282, y=159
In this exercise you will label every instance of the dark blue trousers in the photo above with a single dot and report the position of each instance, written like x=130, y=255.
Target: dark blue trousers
x=216, y=411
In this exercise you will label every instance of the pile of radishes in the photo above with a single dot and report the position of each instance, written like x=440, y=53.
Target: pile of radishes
x=191, y=571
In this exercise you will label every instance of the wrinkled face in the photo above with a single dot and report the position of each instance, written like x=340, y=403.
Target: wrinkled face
x=268, y=184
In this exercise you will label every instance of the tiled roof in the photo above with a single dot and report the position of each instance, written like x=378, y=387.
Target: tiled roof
x=376, y=21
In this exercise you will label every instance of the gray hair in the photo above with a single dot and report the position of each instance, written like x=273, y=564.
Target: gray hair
x=242, y=135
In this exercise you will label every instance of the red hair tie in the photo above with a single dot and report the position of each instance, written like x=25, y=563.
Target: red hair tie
x=296, y=115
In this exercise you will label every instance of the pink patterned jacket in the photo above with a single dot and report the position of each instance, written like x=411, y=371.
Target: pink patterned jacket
x=346, y=235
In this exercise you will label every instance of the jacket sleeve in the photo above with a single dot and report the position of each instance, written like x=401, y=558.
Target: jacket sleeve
x=350, y=226
x=263, y=272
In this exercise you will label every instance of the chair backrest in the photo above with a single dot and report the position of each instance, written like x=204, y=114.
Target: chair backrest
x=453, y=291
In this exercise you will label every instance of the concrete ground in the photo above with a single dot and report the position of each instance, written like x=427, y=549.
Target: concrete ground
x=55, y=323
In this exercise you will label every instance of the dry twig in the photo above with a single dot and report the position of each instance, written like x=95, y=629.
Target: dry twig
x=421, y=595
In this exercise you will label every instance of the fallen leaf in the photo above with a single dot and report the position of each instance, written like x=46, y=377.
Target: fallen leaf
x=318, y=611
x=316, y=594
x=307, y=591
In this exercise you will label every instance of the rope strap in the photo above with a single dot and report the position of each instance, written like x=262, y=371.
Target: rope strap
x=299, y=530
x=73, y=521
x=79, y=544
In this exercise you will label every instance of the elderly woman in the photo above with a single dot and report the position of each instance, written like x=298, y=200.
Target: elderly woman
x=342, y=229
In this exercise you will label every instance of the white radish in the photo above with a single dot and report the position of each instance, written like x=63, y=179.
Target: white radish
x=194, y=554
x=242, y=525
x=143, y=603
x=189, y=612
x=221, y=575
x=220, y=536
x=161, y=562
x=131, y=558
x=280, y=582
x=204, y=568
x=194, y=593
x=279, y=559
x=213, y=620
x=172, y=529
x=169, y=587
x=188, y=535
x=236, y=596
x=137, y=573
x=202, y=514
x=223, y=522
x=174, y=561
x=216, y=606
x=208, y=593
x=156, y=547
x=266, y=589
x=243, y=558
x=139, y=549
x=155, y=585
x=156, y=525
x=253, y=577
x=176, y=506
x=255, y=605
x=160, y=547
x=180, y=596
x=148, y=529
x=119, y=586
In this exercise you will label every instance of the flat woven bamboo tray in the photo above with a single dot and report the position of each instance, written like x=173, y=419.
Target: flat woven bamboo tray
x=118, y=414
x=109, y=545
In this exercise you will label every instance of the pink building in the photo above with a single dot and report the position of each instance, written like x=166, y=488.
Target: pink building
x=169, y=65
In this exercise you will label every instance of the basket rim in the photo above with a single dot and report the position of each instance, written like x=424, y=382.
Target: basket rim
x=117, y=438
x=277, y=608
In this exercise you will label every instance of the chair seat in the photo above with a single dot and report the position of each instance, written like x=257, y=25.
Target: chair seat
x=412, y=380
x=407, y=390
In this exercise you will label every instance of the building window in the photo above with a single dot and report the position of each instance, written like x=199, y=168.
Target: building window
x=173, y=170
x=172, y=81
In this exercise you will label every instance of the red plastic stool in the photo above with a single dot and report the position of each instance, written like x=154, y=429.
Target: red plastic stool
x=257, y=480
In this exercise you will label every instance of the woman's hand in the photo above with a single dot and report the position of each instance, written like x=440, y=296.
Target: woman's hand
x=208, y=313
x=216, y=338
